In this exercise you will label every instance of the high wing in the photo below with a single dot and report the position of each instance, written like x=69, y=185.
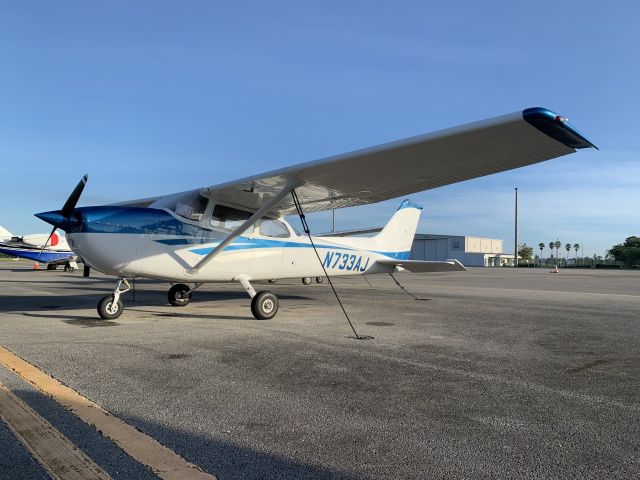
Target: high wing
x=406, y=166
x=422, y=266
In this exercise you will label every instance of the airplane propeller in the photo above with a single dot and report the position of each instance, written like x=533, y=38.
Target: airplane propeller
x=68, y=207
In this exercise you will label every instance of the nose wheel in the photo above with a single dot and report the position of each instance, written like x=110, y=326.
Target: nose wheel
x=111, y=307
x=108, y=309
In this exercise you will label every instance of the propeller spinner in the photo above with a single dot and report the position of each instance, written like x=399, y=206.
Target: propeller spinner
x=57, y=218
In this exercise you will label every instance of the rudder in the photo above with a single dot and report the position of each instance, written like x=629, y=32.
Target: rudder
x=397, y=235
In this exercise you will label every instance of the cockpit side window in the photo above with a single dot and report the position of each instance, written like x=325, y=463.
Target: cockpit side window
x=273, y=228
x=229, y=218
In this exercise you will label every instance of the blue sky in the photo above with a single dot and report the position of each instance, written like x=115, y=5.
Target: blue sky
x=157, y=97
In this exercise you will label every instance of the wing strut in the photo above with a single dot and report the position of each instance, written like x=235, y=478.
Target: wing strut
x=261, y=212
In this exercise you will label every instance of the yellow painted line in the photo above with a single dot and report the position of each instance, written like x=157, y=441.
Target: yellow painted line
x=164, y=462
x=55, y=452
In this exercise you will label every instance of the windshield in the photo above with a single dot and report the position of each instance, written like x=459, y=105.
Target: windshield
x=191, y=208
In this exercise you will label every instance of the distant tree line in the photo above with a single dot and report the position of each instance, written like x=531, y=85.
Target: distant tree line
x=556, y=257
x=625, y=254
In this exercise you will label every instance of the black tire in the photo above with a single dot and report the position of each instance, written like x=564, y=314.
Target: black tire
x=264, y=305
x=51, y=266
x=306, y=280
x=68, y=268
x=319, y=279
x=107, y=310
x=177, y=296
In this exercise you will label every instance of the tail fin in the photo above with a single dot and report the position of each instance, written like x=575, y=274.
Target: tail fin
x=4, y=233
x=396, y=237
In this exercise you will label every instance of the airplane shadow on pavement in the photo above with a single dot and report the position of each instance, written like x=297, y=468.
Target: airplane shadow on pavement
x=53, y=306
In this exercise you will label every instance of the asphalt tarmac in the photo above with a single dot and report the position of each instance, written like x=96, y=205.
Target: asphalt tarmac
x=492, y=373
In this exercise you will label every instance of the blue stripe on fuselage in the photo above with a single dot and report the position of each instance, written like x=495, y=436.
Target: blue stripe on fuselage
x=264, y=243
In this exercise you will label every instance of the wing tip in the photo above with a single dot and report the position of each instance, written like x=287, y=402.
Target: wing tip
x=557, y=127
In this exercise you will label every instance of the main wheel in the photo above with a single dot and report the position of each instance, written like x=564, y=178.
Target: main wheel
x=178, y=296
x=264, y=305
x=306, y=280
x=319, y=279
x=108, y=310
x=52, y=266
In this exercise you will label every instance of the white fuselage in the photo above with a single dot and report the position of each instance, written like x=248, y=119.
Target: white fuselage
x=158, y=243
x=255, y=256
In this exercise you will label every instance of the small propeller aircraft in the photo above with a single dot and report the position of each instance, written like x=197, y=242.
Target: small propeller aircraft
x=236, y=231
x=54, y=252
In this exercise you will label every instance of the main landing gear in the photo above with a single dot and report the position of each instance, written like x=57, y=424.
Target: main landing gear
x=68, y=267
x=264, y=304
x=180, y=294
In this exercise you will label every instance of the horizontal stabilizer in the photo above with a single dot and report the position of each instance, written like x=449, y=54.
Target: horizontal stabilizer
x=421, y=266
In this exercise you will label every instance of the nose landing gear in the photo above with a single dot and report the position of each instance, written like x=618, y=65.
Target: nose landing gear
x=110, y=307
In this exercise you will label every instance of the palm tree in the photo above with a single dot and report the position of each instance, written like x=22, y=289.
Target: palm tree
x=557, y=244
x=541, y=247
x=576, y=247
x=568, y=248
x=551, y=247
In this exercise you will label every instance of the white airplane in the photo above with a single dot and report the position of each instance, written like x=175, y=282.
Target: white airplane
x=236, y=231
x=54, y=252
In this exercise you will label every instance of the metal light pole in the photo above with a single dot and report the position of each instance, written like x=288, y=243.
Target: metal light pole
x=515, y=258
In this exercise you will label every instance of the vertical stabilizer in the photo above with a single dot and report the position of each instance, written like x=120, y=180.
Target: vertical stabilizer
x=4, y=233
x=397, y=235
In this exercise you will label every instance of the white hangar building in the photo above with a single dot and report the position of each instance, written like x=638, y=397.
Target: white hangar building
x=470, y=251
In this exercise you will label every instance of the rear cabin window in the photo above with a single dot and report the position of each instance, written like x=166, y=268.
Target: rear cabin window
x=274, y=228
